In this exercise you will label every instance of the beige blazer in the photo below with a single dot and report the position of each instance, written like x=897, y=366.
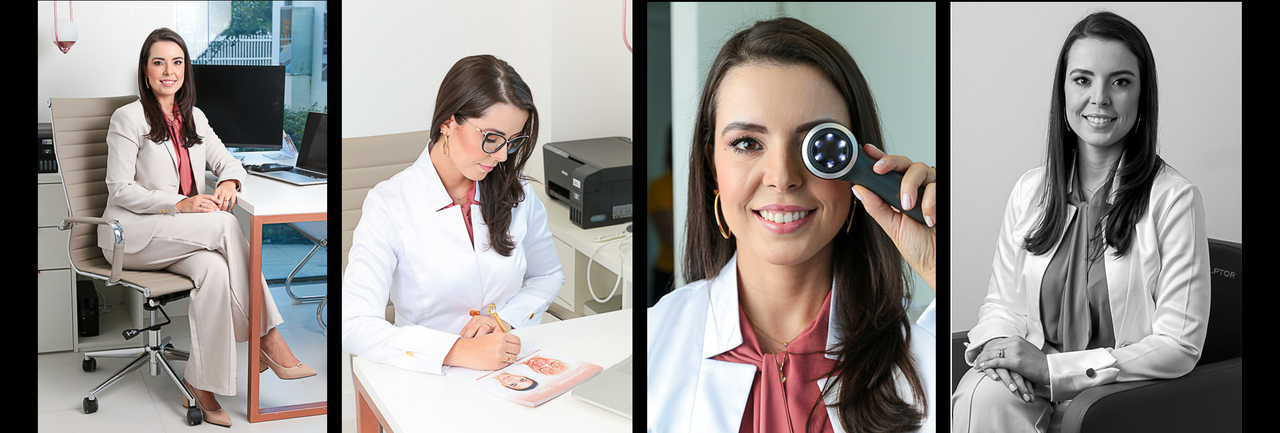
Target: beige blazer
x=142, y=175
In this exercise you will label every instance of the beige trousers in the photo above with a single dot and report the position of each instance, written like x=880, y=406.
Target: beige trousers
x=211, y=249
x=984, y=405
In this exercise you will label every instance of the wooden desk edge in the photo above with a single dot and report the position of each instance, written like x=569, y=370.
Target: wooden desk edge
x=257, y=414
x=368, y=417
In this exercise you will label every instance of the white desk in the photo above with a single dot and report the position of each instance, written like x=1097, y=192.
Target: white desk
x=408, y=401
x=266, y=201
x=261, y=196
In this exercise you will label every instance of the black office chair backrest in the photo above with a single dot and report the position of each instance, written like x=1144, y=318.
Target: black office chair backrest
x=1226, y=309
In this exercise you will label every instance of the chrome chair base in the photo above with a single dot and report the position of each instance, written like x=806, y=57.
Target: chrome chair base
x=155, y=355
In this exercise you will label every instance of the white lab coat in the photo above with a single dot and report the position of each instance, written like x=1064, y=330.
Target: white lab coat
x=404, y=240
x=1159, y=290
x=690, y=392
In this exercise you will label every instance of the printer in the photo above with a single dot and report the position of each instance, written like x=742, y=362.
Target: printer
x=593, y=176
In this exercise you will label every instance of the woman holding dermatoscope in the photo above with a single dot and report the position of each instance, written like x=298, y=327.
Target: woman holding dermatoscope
x=1102, y=269
x=459, y=230
x=797, y=300
x=157, y=149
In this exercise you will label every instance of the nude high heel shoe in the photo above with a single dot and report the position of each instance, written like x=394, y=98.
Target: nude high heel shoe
x=216, y=417
x=287, y=373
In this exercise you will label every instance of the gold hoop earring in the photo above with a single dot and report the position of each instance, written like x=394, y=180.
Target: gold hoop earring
x=723, y=232
x=852, y=210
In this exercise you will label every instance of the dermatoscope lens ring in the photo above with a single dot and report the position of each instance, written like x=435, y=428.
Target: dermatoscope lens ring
x=829, y=150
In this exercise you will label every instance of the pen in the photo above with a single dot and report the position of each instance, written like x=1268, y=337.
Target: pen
x=493, y=312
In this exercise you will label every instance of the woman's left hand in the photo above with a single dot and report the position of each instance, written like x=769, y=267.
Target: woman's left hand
x=226, y=192
x=915, y=241
x=1019, y=355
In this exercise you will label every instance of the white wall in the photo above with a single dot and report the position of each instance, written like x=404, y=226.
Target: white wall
x=571, y=53
x=104, y=61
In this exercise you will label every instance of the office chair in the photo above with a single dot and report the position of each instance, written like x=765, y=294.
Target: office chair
x=1209, y=398
x=79, y=136
x=366, y=161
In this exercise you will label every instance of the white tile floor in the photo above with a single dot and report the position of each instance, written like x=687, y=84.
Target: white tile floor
x=142, y=403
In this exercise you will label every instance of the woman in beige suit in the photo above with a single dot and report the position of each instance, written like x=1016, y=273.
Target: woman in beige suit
x=157, y=148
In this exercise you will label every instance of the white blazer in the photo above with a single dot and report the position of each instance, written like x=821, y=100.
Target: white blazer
x=404, y=240
x=1159, y=290
x=690, y=392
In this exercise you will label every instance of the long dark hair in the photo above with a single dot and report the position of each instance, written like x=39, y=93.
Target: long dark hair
x=866, y=266
x=473, y=85
x=1142, y=163
x=185, y=99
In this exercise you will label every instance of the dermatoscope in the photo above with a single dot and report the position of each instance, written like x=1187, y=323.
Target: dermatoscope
x=830, y=151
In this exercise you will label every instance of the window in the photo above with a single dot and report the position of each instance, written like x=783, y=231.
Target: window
x=293, y=34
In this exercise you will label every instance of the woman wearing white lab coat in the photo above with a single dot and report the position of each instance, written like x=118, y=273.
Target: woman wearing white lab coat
x=459, y=230
x=1102, y=269
x=797, y=305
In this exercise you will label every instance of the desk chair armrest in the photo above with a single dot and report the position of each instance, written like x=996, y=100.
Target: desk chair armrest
x=1209, y=398
x=117, y=256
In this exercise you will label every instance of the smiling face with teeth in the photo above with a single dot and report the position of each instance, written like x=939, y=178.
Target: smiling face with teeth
x=166, y=66
x=1101, y=91
x=779, y=213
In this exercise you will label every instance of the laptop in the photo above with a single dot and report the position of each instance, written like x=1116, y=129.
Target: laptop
x=611, y=390
x=313, y=155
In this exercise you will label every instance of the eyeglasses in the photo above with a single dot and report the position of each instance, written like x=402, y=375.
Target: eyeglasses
x=493, y=141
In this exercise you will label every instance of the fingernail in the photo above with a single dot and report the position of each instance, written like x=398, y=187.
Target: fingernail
x=880, y=163
x=855, y=193
x=1012, y=387
x=1026, y=398
x=928, y=220
x=906, y=202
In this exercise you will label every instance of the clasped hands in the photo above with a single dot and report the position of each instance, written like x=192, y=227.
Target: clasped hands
x=223, y=198
x=1021, y=366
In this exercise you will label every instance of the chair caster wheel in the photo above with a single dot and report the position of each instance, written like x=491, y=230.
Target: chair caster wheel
x=89, y=365
x=194, y=417
x=89, y=406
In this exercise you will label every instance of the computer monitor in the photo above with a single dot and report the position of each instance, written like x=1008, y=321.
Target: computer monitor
x=244, y=104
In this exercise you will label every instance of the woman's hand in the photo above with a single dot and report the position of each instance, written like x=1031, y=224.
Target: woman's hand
x=481, y=325
x=226, y=194
x=1016, y=355
x=1018, y=385
x=198, y=203
x=486, y=352
x=915, y=241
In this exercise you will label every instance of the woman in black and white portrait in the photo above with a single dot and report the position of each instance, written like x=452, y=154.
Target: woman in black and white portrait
x=1101, y=269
